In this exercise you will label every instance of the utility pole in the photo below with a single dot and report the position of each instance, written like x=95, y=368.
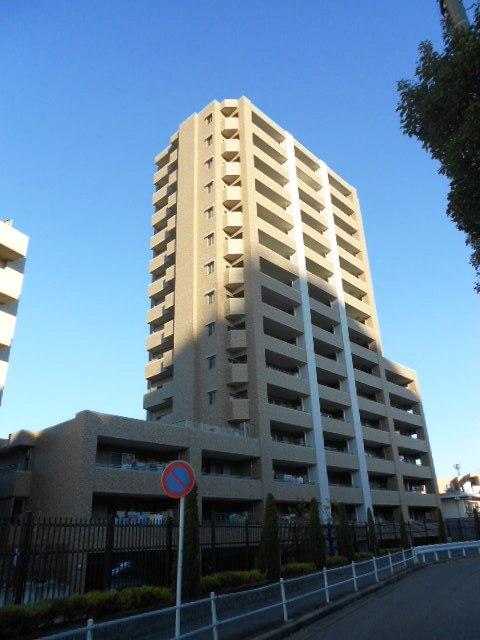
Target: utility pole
x=454, y=12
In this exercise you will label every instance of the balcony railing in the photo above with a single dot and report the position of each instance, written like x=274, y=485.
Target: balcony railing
x=285, y=403
x=333, y=415
x=286, y=477
x=235, y=476
x=242, y=431
x=297, y=443
x=289, y=372
x=152, y=467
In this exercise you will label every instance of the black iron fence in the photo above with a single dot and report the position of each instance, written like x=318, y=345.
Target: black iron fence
x=48, y=558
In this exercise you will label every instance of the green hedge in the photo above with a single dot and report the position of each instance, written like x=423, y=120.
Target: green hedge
x=17, y=621
x=296, y=569
x=387, y=550
x=336, y=561
x=229, y=579
x=363, y=555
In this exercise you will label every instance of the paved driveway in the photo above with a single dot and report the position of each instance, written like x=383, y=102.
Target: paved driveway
x=440, y=602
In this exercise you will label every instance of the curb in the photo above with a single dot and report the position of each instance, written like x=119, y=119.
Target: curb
x=295, y=625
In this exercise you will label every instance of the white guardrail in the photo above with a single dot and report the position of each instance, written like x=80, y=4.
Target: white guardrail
x=244, y=613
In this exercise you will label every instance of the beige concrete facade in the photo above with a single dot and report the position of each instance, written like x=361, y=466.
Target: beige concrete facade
x=263, y=321
x=102, y=465
x=13, y=250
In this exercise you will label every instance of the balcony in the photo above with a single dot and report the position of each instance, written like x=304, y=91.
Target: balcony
x=160, y=338
x=413, y=444
x=274, y=214
x=233, y=249
x=162, y=366
x=356, y=309
x=380, y=465
x=363, y=352
x=158, y=395
x=284, y=379
x=237, y=374
x=277, y=345
x=271, y=189
x=287, y=415
x=343, y=221
x=232, y=221
x=234, y=308
x=236, y=339
x=229, y=127
x=240, y=431
x=163, y=311
x=404, y=416
x=238, y=410
x=385, y=497
x=345, y=494
x=162, y=284
x=230, y=148
x=413, y=470
x=402, y=392
x=14, y=481
x=334, y=395
x=231, y=172
x=268, y=143
x=308, y=175
x=234, y=277
x=292, y=479
x=13, y=243
x=7, y=327
x=231, y=196
x=341, y=460
x=10, y=285
x=270, y=167
x=376, y=436
x=371, y=406
x=418, y=499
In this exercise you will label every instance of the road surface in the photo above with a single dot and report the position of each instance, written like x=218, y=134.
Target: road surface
x=440, y=602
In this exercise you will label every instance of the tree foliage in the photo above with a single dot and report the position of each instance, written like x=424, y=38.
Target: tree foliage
x=371, y=533
x=344, y=540
x=441, y=107
x=317, y=541
x=269, y=542
x=191, y=548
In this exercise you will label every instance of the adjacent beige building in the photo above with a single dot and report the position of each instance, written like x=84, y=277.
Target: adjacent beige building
x=460, y=496
x=263, y=322
x=13, y=250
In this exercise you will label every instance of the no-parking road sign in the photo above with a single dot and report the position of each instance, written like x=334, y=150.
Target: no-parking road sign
x=178, y=479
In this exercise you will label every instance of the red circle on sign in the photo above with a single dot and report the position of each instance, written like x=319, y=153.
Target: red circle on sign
x=178, y=479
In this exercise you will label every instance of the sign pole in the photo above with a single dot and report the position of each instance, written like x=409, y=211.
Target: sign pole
x=181, y=527
x=178, y=479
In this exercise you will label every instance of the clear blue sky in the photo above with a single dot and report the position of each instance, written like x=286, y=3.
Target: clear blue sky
x=91, y=91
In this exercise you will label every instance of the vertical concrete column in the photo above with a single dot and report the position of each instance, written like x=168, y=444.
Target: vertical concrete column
x=337, y=282
x=322, y=477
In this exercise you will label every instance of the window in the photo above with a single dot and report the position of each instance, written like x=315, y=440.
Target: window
x=209, y=141
x=209, y=119
x=211, y=361
x=210, y=239
x=209, y=213
x=210, y=297
x=212, y=397
x=209, y=163
x=210, y=328
x=209, y=187
x=209, y=268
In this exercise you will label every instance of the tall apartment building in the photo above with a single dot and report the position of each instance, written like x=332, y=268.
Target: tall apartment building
x=13, y=249
x=263, y=321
